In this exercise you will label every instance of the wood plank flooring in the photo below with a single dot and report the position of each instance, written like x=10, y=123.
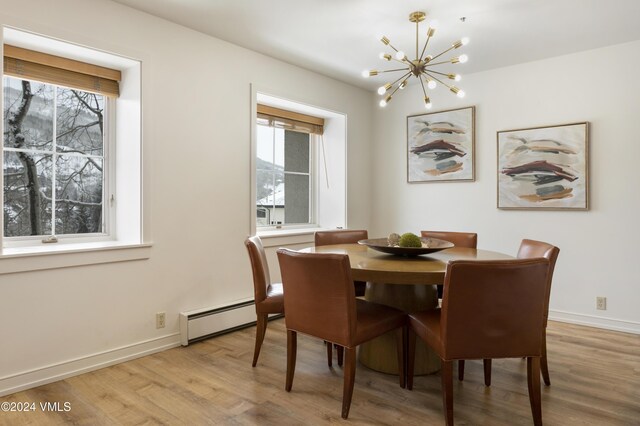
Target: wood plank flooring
x=595, y=380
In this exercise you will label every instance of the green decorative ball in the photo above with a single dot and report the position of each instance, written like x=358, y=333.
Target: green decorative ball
x=410, y=240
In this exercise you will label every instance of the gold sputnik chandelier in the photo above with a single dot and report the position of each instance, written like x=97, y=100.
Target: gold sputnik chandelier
x=422, y=67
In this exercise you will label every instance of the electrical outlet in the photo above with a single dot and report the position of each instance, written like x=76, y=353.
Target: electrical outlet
x=160, y=320
x=601, y=303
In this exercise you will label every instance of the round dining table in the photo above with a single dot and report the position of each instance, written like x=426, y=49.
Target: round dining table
x=405, y=283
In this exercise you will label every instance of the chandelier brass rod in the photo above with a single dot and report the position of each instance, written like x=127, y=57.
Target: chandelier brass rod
x=438, y=72
x=417, y=39
x=407, y=74
x=442, y=53
x=438, y=80
x=397, y=69
x=429, y=64
x=423, y=89
x=425, y=47
x=391, y=46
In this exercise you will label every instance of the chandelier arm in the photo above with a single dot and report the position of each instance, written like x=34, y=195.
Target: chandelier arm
x=438, y=80
x=443, y=52
x=397, y=69
x=406, y=75
x=429, y=64
x=391, y=46
x=438, y=72
x=425, y=47
x=394, y=91
x=424, y=91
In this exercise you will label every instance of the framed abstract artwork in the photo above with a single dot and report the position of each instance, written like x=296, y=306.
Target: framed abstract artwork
x=544, y=168
x=440, y=146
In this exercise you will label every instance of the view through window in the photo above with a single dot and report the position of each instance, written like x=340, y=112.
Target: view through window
x=54, y=158
x=283, y=176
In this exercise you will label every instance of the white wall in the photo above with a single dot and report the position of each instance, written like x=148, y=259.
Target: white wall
x=196, y=126
x=599, y=247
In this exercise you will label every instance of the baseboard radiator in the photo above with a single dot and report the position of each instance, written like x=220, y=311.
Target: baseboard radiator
x=202, y=324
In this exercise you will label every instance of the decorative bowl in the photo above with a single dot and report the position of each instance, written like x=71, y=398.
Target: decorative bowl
x=429, y=245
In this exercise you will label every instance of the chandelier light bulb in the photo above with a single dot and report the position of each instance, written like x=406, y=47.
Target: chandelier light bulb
x=400, y=55
x=431, y=84
x=403, y=84
x=463, y=58
x=460, y=94
x=465, y=41
x=457, y=77
x=427, y=103
x=383, y=89
x=365, y=73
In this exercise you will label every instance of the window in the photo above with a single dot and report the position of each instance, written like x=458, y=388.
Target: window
x=72, y=173
x=284, y=167
x=298, y=178
x=54, y=159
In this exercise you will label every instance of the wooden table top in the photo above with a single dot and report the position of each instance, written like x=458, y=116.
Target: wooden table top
x=370, y=265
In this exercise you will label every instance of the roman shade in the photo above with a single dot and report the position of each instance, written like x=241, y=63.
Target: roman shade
x=32, y=65
x=289, y=120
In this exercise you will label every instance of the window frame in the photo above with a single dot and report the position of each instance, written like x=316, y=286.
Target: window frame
x=108, y=187
x=108, y=177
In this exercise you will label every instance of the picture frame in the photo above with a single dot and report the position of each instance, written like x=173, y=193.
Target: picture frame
x=441, y=146
x=544, y=168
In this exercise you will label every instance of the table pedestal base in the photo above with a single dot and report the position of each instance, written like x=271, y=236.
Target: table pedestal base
x=380, y=354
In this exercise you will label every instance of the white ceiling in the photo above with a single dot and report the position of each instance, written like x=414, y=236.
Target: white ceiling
x=340, y=38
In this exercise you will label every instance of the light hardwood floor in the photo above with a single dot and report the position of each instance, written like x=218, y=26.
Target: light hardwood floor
x=595, y=380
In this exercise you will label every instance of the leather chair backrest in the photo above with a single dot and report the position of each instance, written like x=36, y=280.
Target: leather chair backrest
x=340, y=236
x=319, y=297
x=259, y=266
x=493, y=308
x=530, y=249
x=459, y=239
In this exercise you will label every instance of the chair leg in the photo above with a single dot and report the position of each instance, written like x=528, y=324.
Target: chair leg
x=261, y=328
x=447, y=391
x=349, y=379
x=401, y=339
x=487, y=371
x=292, y=349
x=461, y=369
x=340, y=355
x=544, y=367
x=411, y=357
x=533, y=380
x=329, y=353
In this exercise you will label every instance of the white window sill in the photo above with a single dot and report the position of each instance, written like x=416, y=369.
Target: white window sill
x=53, y=256
x=282, y=237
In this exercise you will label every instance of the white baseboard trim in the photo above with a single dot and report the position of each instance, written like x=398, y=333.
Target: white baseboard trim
x=51, y=373
x=595, y=321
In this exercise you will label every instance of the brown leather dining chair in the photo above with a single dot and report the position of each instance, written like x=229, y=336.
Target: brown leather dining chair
x=490, y=309
x=320, y=301
x=530, y=249
x=343, y=236
x=268, y=296
x=459, y=239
